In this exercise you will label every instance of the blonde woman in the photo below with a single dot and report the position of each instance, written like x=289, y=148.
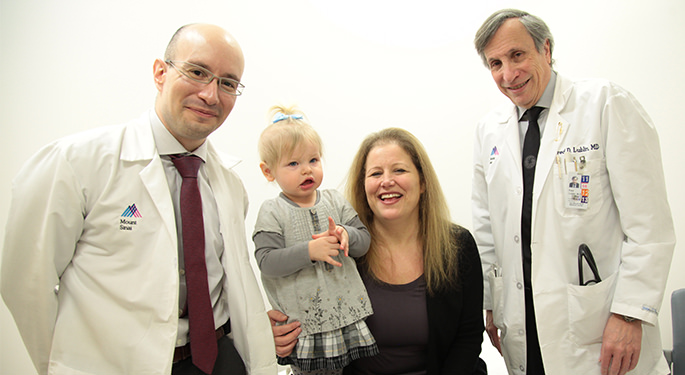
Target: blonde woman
x=422, y=272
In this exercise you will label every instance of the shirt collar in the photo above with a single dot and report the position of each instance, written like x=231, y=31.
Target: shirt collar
x=545, y=100
x=167, y=144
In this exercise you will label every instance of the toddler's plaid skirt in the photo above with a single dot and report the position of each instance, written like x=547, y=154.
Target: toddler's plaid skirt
x=333, y=349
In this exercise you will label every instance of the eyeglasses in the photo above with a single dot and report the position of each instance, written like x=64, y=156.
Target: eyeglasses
x=199, y=74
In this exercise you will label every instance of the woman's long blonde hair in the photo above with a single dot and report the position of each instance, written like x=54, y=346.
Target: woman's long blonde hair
x=440, y=252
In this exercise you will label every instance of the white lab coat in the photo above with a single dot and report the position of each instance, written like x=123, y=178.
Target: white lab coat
x=94, y=295
x=627, y=225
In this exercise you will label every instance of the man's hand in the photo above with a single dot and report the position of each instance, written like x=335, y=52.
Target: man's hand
x=621, y=344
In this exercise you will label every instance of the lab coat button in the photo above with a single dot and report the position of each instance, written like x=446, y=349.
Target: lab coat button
x=56, y=289
x=516, y=239
x=519, y=285
x=521, y=368
x=179, y=343
x=521, y=332
x=519, y=191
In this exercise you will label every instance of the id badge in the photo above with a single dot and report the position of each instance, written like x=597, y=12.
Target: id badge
x=577, y=190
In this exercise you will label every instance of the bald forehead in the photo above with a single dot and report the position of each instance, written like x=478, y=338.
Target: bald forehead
x=208, y=46
x=198, y=34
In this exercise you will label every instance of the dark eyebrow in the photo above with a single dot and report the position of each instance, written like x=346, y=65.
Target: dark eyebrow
x=203, y=65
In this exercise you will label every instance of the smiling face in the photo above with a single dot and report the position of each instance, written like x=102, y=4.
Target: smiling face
x=299, y=174
x=520, y=71
x=392, y=184
x=191, y=110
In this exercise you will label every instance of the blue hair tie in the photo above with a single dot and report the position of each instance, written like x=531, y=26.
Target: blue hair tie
x=280, y=117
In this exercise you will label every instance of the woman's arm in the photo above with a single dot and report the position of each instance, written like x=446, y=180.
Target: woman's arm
x=457, y=325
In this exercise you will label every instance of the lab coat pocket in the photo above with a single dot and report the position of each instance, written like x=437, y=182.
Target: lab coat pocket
x=496, y=286
x=578, y=186
x=589, y=309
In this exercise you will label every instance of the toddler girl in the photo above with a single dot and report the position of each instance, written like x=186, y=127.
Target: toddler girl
x=304, y=243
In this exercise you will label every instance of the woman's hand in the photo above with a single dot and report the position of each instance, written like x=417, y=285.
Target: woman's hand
x=285, y=335
x=492, y=331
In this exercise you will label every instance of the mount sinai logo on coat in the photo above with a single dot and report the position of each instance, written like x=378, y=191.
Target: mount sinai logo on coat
x=494, y=154
x=129, y=218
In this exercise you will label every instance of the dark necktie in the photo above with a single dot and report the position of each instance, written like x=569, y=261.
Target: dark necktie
x=203, y=346
x=531, y=145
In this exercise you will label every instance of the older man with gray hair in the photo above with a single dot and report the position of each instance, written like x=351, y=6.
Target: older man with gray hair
x=574, y=275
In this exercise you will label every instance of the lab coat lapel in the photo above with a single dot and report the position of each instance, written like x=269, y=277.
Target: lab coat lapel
x=231, y=224
x=512, y=138
x=556, y=128
x=138, y=145
x=154, y=180
x=216, y=163
x=215, y=167
x=215, y=175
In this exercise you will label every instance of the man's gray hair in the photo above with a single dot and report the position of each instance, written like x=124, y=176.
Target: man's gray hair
x=535, y=26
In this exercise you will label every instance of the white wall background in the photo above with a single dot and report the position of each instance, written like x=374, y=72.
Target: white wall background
x=354, y=66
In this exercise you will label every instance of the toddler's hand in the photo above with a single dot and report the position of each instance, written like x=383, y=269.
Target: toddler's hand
x=339, y=233
x=324, y=248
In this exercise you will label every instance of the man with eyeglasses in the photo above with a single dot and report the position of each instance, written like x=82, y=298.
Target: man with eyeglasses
x=96, y=266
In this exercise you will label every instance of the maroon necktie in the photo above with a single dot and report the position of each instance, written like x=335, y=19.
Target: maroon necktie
x=203, y=348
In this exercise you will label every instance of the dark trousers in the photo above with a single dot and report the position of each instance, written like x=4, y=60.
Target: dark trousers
x=228, y=362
